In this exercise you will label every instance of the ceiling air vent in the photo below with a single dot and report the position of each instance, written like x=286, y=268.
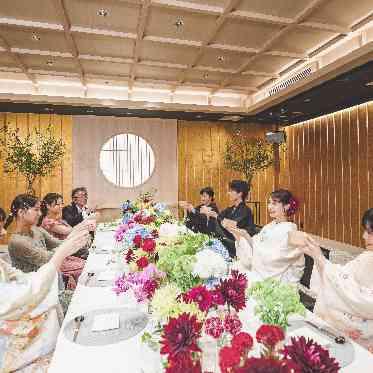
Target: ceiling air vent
x=300, y=75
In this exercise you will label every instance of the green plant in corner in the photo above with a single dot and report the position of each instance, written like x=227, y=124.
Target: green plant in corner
x=247, y=155
x=33, y=155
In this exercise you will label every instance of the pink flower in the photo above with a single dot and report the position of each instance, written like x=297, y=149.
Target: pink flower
x=214, y=327
x=232, y=324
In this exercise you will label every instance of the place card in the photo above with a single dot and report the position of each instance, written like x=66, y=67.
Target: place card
x=106, y=321
x=309, y=333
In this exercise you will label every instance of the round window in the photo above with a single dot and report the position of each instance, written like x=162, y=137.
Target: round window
x=127, y=160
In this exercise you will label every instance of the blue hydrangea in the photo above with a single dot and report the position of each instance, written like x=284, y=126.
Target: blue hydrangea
x=211, y=283
x=216, y=246
x=131, y=233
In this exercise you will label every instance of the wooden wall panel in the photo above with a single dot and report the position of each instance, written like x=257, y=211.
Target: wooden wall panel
x=201, y=146
x=60, y=181
x=329, y=167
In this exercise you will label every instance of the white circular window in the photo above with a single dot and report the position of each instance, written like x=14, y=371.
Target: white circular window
x=127, y=160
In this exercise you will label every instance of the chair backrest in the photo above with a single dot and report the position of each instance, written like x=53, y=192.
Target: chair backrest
x=306, y=278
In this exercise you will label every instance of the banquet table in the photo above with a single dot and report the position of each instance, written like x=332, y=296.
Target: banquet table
x=126, y=356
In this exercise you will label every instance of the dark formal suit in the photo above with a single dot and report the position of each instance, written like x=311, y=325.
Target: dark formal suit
x=244, y=218
x=198, y=222
x=72, y=215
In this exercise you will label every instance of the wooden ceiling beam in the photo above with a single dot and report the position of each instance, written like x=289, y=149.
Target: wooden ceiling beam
x=15, y=57
x=211, y=36
x=188, y=6
x=300, y=17
x=141, y=25
x=62, y=13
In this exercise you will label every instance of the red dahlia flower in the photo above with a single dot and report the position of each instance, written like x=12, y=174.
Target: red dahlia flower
x=233, y=290
x=180, y=335
x=199, y=295
x=310, y=357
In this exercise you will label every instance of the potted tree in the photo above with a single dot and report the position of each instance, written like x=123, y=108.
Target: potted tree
x=34, y=155
x=248, y=155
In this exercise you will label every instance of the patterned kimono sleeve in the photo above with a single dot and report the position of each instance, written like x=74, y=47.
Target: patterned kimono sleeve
x=26, y=293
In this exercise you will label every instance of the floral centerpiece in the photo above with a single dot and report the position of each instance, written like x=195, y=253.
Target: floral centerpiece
x=276, y=301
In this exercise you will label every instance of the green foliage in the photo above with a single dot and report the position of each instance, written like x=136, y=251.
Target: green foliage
x=177, y=260
x=34, y=155
x=248, y=155
x=276, y=301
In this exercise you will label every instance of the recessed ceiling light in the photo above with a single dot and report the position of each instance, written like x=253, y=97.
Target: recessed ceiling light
x=48, y=109
x=297, y=112
x=307, y=100
x=102, y=12
x=179, y=23
x=369, y=84
x=49, y=63
x=221, y=58
x=283, y=116
x=199, y=116
x=90, y=111
x=35, y=37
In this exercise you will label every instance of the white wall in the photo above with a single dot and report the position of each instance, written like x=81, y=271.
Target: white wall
x=89, y=135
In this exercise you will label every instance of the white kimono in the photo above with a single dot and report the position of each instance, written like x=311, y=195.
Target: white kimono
x=269, y=256
x=29, y=315
x=345, y=298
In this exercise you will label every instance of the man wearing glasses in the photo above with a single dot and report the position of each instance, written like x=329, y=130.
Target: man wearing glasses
x=78, y=211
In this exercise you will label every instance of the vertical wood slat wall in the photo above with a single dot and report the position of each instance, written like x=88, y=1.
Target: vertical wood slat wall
x=201, y=147
x=61, y=179
x=329, y=167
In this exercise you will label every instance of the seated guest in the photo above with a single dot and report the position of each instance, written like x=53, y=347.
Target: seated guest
x=51, y=221
x=29, y=311
x=196, y=221
x=267, y=254
x=345, y=295
x=237, y=215
x=30, y=246
x=2, y=222
x=77, y=211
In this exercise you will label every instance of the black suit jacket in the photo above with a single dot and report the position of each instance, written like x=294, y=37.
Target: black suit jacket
x=71, y=215
x=244, y=218
x=199, y=223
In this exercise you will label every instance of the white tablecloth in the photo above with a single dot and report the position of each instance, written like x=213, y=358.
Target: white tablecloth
x=127, y=356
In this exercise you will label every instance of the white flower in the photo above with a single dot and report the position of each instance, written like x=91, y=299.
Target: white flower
x=170, y=230
x=209, y=264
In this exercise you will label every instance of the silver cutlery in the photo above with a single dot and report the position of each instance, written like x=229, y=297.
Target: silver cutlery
x=340, y=339
x=78, y=321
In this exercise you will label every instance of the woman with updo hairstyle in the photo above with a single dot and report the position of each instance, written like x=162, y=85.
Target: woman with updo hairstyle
x=31, y=246
x=267, y=254
x=345, y=292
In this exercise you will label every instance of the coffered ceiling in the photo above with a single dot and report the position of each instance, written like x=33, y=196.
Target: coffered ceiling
x=216, y=46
